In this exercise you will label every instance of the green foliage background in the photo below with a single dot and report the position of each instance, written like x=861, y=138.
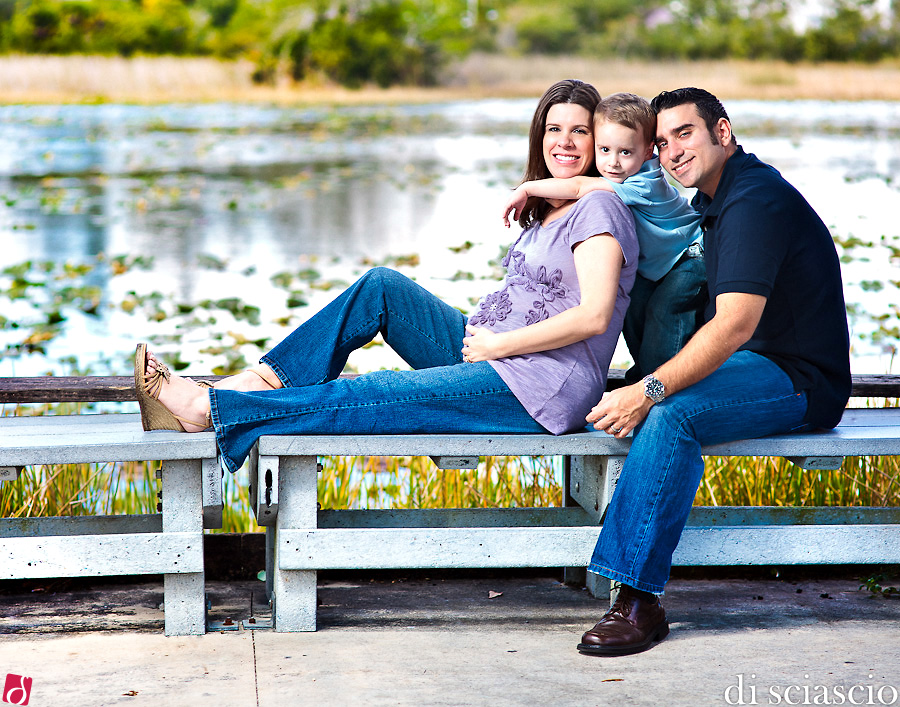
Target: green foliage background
x=408, y=41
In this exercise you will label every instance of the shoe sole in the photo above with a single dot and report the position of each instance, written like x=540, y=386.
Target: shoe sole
x=656, y=635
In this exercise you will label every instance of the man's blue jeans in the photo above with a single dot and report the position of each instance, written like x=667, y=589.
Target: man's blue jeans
x=748, y=396
x=663, y=315
x=441, y=395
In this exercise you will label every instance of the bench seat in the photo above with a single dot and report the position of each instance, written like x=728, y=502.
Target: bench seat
x=168, y=543
x=302, y=539
x=861, y=432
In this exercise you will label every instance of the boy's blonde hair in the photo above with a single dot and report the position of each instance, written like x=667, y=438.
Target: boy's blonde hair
x=629, y=110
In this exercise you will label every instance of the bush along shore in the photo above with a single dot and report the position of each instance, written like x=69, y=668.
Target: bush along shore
x=408, y=42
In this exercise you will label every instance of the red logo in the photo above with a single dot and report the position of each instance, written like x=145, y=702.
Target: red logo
x=17, y=689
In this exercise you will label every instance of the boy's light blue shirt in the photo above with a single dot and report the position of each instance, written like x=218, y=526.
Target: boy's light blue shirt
x=666, y=222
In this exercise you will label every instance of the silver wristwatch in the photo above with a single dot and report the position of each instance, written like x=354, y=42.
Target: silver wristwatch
x=654, y=389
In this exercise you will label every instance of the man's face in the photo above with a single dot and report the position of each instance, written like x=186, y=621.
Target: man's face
x=687, y=150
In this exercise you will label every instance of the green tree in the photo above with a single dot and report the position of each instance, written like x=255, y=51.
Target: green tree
x=852, y=32
x=378, y=42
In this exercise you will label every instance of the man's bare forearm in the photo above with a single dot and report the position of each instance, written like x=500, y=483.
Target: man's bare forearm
x=736, y=320
x=737, y=316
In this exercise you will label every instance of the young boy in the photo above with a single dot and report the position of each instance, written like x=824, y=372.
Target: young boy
x=669, y=293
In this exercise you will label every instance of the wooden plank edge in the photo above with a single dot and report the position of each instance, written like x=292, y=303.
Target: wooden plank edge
x=89, y=389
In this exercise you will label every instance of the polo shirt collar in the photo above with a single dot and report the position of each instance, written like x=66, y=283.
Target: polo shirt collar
x=710, y=207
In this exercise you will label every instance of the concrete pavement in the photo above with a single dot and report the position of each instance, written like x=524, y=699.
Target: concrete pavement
x=448, y=640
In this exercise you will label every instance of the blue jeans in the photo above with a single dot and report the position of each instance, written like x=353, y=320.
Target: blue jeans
x=663, y=315
x=748, y=396
x=441, y=395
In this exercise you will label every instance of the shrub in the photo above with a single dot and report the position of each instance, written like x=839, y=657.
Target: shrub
x=377, y=44
x=547, y=32
x=103, y=27
x=847, y=35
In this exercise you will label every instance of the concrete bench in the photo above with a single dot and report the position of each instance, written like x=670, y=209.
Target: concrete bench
x=302, y=540
x=168, y=543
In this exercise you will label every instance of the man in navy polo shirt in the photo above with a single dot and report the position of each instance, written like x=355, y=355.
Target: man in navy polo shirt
x=772, y=357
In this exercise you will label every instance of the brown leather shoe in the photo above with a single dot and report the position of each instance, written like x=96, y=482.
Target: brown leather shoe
x=630, y=626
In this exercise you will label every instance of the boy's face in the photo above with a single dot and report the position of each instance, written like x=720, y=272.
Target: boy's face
x=620, y=151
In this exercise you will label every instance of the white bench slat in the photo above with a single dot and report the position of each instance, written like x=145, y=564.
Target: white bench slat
x=28, y=424
x=855, y=544
x=869, y=417
x=575, y=516
x=101, y=555
x=42, y=526
x=864, y=432
x=77, y=439
x=98, y=438
x=450, y=445
x=456, y=548
x=408, y=548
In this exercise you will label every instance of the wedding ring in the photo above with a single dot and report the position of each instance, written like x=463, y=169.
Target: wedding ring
x=616, y=430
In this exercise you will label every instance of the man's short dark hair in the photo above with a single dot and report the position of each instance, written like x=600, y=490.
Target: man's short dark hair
x=708, y=106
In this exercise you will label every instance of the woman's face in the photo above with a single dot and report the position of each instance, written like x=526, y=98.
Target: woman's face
x=568, y=140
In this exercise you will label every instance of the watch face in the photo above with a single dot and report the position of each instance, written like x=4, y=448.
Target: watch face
x=654, y=389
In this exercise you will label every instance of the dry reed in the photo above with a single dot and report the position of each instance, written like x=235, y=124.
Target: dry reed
x=76, y=79
x=415, y=482
x=728, y=79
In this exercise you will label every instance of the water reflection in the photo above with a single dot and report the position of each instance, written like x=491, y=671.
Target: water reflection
x=270, y=188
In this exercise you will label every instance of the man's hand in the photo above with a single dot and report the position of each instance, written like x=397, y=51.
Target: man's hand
x=620, y=411
x=515, y=204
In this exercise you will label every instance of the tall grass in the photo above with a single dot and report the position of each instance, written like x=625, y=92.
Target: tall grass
x=345, y=482
x=123, y=488
x=145, y=79
x=81, y=489
x=415, y=482
x=46, y=78
x=774, y=481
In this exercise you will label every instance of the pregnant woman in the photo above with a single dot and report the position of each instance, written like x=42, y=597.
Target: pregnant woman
x=532, y=358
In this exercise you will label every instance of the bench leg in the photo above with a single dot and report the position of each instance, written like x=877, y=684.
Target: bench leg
x=270, y=561
x=599, y=587
x=576, y=576
x=294, y=591
x=591, y=482
x=185, y=600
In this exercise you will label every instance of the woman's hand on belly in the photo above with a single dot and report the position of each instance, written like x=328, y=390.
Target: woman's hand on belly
x=481, y=345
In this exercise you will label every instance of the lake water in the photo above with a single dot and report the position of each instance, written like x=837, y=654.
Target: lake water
x=225, y=196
